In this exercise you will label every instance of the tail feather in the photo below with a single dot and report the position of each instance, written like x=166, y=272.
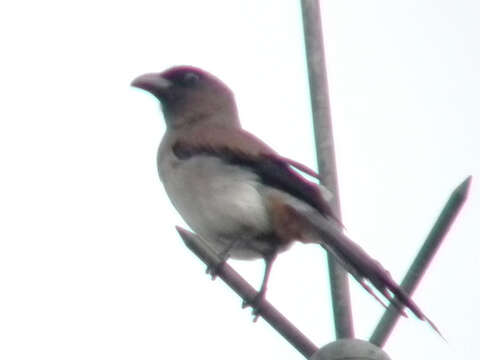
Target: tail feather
x=361, y=265
x=365, y=285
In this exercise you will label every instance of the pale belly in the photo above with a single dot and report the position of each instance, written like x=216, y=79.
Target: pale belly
x=222, y=203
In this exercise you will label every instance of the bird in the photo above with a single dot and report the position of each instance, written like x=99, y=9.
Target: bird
x=239, y=195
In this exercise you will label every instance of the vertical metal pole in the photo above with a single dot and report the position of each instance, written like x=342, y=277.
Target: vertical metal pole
x=312, y=27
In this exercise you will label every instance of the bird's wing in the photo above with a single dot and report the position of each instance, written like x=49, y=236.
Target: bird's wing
x=238, y=147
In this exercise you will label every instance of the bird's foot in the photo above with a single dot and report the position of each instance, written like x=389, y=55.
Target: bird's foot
x=213, y=269
x=254, y=303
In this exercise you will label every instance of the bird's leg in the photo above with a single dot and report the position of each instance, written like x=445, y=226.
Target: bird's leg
x=223, y=255
x=255, y=302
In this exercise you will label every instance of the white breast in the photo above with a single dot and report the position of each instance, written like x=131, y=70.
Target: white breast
x=214, y=198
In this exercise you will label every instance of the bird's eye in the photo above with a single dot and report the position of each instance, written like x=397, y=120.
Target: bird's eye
x=190, y=78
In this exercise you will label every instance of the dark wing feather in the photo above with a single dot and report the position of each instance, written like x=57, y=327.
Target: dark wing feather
x=272, y=169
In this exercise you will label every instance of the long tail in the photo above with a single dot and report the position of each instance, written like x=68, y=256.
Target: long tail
x=362, y=266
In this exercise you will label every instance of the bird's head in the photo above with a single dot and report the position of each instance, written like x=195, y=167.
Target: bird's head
x=189, y=95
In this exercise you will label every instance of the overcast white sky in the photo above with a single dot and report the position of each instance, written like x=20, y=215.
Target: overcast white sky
x=90, y=264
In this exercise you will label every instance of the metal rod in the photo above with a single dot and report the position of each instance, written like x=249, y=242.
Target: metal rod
x=312, y=27
x=248, y=293
x=423, y=259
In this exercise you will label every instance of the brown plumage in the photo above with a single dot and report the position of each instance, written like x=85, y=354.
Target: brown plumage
x=237, y=193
